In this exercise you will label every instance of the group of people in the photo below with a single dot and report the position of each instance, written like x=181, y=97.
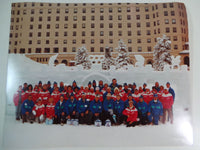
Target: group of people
x=120, y=104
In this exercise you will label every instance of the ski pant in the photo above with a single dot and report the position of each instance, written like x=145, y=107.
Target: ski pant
x=94, y=118
x=49, y=121
x=106, y=115
x=59, y=119
x=133, y=124
x=143, y=118
x=154, y=118
x=170, y=115
x=30, y=117
x=86, y=119
x=18, y=111
x=120, y=118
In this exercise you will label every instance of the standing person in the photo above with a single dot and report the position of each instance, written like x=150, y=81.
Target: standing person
x=96, y=109
x=35, y=93
x=55, y=85
x=40, y=84
x=82, y=111
x=100, y=85
x=94, y=85
x=130, y=98
x=107, y=91
x=118, y=109
x=17, y=99
x=108, y=109
x=49, y=86
x=28, y=91
x=70, y=107
x=104, y=88
x=136, y=95
x=142, y=111
x=61, y=88
x=74, y=85
x=160, y=93
x=155, y=110
x=131, y=113
x=170, y=90
x=39, y=111
x=147, y=96
x=56, y=94
x=50, y=111
x=157, y=87
x=144, y=87
x=26, y=110
x=113, y=85
x=134, y=87
x=125, y=87
x=60, y=111
x=44, y=94
x=99, y=93
x=25, y=87
x=167, y=102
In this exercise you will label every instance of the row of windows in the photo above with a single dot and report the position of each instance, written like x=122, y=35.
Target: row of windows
x=92, y=49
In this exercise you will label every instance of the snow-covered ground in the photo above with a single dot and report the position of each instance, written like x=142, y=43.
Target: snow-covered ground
x=18, y=135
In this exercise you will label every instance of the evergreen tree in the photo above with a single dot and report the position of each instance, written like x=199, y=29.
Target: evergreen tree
x=161, y=55
x=108, y=60
x=82, y=58
x=122, y=59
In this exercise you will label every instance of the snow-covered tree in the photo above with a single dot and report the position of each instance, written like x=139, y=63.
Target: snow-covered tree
x=108, y=60
x=82, y=58
x=161, y=55
x=122, y=59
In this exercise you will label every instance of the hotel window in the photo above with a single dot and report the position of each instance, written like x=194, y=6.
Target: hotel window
x=57, y=18
x=24, y=12
x=56, y=41
x=38, y=42
x=47, y=41
x=138, y=24
x=158, y=22
x=110, y=25
x=47, y=34
x=55, y=50
x=65, y=33
x=129, y=33
x=101, y=18
x=15, y=42
x=164, y=5
x=83, y=33
x=101, y=10
x=101, y=41
x=128, y=17
x=92, y=49
x=154, y=15
x=110, y=33
x=56, y=34
x=110, y=17
x=101, y=25
x=148, y=32
x=92, y=10
x=138, y=40
x=139, y=49
x=157, y=14
x=165, y=13
x=31, y=19
x=138, y=17
x=31, y=26
x=173, y=21
x=101, y=33
x=154, y=31
x=92, y=25
x=83, y=41
x=137, y=9
x=130, y=49
x=172, y=13
x=153, y=8
x=30, y=34
x=65, y=26
x=83, y=18
x=148, y=40
x=101, y=49
x=119, y=25
x=73, y=49
x=171, y=5
x=110, y=10
x=138, y=32
x=149, y=49
x=156, y=6
x=110, y=41
x=74, y=33
x=128, y=9
x=41, y=11
x=174, y=30
x=129, y=41
x=48, y=18
x=57, y=26
x=29, y=42
x=74, y=41
x=29, y=50
x=84, y=10
x=75, y=18
x=16, y=35
x=147, y=24
x=128, y=25
x=119, y=17
x=119, y=9
x=83, y=25
x=119, y=33
x=38, y=50
x=66, y=18
x=47, y=50
x=75, y=10
x=74, y=25
x=92, y=41
x=92, y=18
x=175, y=38
x=64, y=49
x=146, y=9
x=39, y=34
x=159, y=30
x=66, y=11
x=58, y=11
x=166, y=21
x=175, y=46
x=92, y=33
x=32, y=11
x=167, y=30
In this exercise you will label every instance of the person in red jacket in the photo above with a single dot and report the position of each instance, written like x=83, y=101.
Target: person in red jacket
x=35, y=94
x=132, y=115
x=44, y=94
x=99, y=93
x=136, y=95
x=56, y=94
x=167, y=102
x=147, y=96
x=38, y=111
x=50, y=111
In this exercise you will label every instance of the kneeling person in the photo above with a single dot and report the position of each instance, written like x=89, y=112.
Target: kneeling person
x=70, y=107
x=118, y=109
x=39, y=110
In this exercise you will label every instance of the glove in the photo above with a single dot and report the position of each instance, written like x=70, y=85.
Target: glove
x=34, y=113
x=138, y=119
x=41, y=117
x=110, y=111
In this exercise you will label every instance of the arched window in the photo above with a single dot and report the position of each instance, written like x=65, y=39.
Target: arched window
x=150, y=62
x=56, y=62
x=64, y=61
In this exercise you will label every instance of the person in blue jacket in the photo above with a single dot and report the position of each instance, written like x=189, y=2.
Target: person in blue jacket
x=96, y=109
x=74, y=85
x=82, y=110
x=155, y=110
x=108, y=90
x=170, y=90
x=130, y=98
x=70, y=107
x=60, y=112
x=118, y=109
x=113, y=85
x=142, y=111
x=108, y=109
x=26, y=110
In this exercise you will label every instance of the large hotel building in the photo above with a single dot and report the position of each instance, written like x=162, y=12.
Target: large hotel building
x=41, y=30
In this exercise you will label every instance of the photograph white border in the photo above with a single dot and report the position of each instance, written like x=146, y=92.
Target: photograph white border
x=193, y=11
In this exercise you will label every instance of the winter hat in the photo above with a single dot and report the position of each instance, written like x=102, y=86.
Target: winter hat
x=89, y=82
x=116, y=89
x=40, y=82
x=108, y=95
x=62, y=95
x=145, y=84
x=134, y=83
x=141, y=96
x=168, y=83
x=48, y=82
x=129, y=94
x=97, y=88
x=74, y=81
x=55, y=82
x=93, y=81
x=155, y=95
x=119, y=86
x=125, y=84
